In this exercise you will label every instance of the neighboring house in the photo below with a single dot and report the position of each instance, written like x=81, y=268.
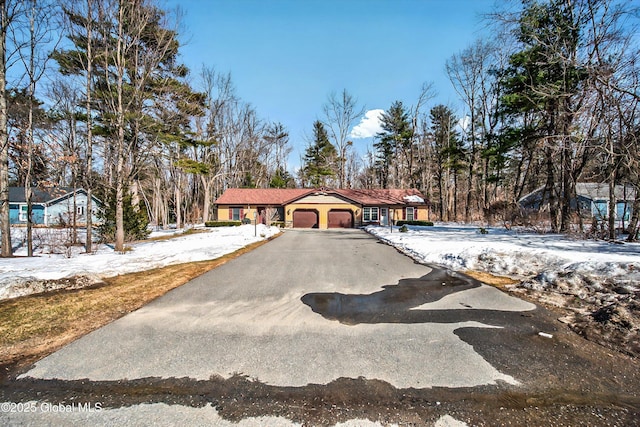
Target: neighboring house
x=593, y=200
x=322, y=208
x=51, y=206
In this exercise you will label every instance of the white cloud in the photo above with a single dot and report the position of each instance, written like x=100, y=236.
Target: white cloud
x=464, y=123
x=369, y=125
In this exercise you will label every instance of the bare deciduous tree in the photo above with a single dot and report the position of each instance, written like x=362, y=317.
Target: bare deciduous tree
x=340, y=112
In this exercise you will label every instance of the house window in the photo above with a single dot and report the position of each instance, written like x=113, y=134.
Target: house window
x=623, y=211
x=370, y=215
x=600, y=209
x=80, y=210
x=236, y=214
x=410, y=213
x=22, y=215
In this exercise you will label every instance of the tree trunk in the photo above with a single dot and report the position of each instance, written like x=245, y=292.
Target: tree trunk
x=612, y=208
x=89, y=165
x=119, y=175
x=27, y=181
x=119, y=243
x=206, y=208
x=550, y=191
x=5, y=225
x=178, y=203
x=74, y=184
x=635, y=216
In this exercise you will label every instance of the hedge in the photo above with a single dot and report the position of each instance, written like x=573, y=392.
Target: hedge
x=222, y=223
x=421, y=223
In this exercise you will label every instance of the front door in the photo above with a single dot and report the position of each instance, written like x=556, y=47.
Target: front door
x=383, y=216
x=262, y=215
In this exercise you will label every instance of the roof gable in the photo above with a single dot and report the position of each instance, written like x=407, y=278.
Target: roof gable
x=44, y=196
x=585, y=190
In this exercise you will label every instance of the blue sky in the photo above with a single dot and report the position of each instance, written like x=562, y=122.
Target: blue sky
x=287, y=56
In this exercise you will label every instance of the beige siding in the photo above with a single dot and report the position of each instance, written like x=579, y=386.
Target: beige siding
x=321, y=199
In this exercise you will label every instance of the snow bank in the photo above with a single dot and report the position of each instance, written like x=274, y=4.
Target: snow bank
x=540, y=260
x=22, y=275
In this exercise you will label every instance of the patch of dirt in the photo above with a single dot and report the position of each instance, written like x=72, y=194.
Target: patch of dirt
x=344, y=399
x=616, y=326
x=606, y=313
x=491, y=279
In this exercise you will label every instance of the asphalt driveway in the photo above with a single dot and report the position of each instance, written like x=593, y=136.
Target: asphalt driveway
x=324, y=307
x=308, y=307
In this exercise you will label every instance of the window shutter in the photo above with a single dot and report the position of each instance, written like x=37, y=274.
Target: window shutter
x=404, y=213
x=241, y=214
x=230, y=210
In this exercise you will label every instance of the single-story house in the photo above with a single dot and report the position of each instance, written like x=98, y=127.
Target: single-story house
x=592, y=199
x=322, y=208
x=51, y=206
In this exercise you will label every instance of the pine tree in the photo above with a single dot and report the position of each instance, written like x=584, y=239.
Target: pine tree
x=135, y=219
x=140, y=93
x=281, y=179
x=450, y=155
x=320, y=158
x=394, y=142
x=540, y=85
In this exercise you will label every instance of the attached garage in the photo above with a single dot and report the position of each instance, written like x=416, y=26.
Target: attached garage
x=305, y=218
x=340, y=218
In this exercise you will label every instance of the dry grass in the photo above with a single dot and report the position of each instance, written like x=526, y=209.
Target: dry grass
x=34, y=326
x=490, y=279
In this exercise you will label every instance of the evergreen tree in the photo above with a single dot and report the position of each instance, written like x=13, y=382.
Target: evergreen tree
x=140, y=92
x=540, y=87
x=396, y=140
x=136, y=221
x=320, y=158
x=281, y=179
x=450, y=155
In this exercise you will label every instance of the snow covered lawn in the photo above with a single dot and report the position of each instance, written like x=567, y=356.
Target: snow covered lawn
x=209, y=244
x=539, y=259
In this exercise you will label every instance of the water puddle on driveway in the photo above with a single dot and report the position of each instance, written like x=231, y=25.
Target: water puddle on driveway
x=411, y=301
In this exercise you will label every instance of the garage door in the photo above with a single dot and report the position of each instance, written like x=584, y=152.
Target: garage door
x=305, y=218
x=340, y=218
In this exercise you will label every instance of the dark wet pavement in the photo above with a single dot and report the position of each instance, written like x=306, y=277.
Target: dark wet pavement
x=397, y=303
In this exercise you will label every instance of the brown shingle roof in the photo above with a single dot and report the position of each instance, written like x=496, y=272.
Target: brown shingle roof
x=281, y=196
x=261, y=196
x=383, y=196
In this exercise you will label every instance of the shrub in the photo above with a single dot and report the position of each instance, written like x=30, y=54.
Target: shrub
x=135, y=219
x=222, y=223
x=404, y=229
x=420, y=223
